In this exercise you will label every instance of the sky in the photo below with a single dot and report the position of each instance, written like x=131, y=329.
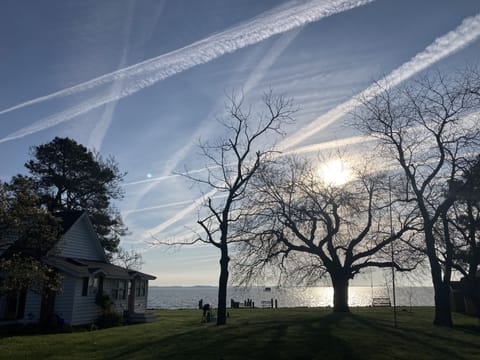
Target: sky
x=145, y=80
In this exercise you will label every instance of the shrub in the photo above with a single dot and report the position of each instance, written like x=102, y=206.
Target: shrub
x=109, y=319
x=109, y=316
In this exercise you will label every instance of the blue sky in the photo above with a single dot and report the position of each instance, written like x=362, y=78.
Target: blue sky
x=144, y=80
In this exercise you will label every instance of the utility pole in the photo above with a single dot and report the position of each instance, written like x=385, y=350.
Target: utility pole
x=395, y=324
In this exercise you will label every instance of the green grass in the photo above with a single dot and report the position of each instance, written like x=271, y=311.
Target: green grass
x=263, y=334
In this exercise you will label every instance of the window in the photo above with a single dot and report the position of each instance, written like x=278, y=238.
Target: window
x=140, y=287
x=119, y=290
x=137, y=288
x=93, y=285
x=85, y=286
x=115, y=290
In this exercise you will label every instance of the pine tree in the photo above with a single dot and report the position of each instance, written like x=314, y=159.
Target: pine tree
x=68, y=176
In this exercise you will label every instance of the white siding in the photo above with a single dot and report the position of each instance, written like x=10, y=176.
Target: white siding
x=33, y=303
x=80, y=242
x=141, y=301
x=85, y=311
x=140, y=304
x=64, y=300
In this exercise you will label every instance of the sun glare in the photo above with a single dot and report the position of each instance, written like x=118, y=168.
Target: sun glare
x=334, y=172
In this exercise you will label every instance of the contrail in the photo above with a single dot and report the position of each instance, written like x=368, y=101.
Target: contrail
x=178, y=216
x=467, y=32
x=205, y=125
x=58, y=118
x=194, y=205
x=165, y=206
x=101, y=128
x=455, y=40
x=156, y=207
x=333, y=144
x=149, y=72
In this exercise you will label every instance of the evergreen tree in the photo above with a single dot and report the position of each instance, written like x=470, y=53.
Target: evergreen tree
x=68, y=176
x=466, y=218
x=27, y=233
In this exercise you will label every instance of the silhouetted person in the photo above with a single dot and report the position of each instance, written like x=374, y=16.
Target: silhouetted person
x=206, y=313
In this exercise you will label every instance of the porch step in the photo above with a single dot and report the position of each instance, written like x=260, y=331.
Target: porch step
x=137, y=318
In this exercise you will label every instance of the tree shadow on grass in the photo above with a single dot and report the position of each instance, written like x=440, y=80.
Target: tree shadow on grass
x=416, y=338
x=470, y=329
x=297, y=338
x=302, y=338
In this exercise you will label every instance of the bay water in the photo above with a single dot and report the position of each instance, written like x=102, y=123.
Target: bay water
x=188, y=297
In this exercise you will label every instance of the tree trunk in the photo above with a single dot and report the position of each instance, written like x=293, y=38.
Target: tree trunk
x=340, y=292
x=443, y=315
x=47, y=306
x=222, y=287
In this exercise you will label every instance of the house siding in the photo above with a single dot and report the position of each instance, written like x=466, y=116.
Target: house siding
x=65, y=300
x=140, y=304
x=33, y=303
x=80, y=243
x=86, y=310
x=141, y=301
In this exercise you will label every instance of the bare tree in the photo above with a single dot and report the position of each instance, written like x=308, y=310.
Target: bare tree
x=129, y=259
x=429, y=128
x=232, y=161
x=309, y=228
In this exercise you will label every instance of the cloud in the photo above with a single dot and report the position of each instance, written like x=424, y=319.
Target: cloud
x=455, y=40
x=151, y=71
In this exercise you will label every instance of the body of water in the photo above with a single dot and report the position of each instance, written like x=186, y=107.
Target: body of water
x=188, y=297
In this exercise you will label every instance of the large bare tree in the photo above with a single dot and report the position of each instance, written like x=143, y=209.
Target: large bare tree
x=309, y=228
x=428, y=128
x=231, y=162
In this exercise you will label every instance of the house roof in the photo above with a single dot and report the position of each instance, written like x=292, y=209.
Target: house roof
x=67, y=219
x=81, y=267
x=85, y=268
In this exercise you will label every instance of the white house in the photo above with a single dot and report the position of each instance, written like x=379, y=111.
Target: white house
x=86, y=272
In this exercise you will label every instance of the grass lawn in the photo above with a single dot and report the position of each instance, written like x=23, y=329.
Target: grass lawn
x=366, y=333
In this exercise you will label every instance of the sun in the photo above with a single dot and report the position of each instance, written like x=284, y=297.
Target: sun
x=335, y=172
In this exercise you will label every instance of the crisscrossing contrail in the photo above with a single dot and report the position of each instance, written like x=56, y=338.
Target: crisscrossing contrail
x=149, y=72
x=448, y=44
